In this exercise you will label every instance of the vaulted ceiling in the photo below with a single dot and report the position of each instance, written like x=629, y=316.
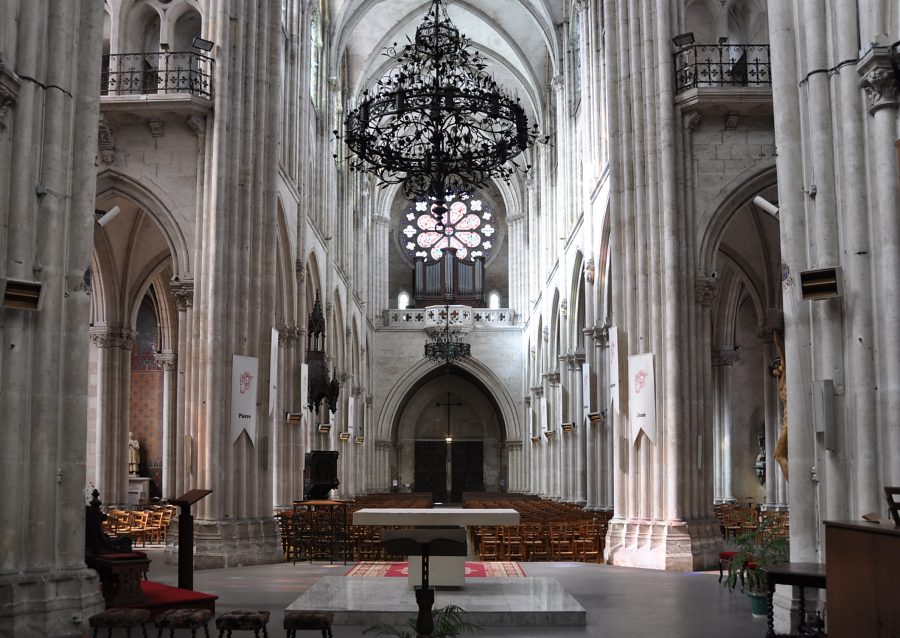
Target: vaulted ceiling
x=519, y=39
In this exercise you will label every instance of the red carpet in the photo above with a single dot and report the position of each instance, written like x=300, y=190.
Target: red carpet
x=490, y=569
x=162, y=597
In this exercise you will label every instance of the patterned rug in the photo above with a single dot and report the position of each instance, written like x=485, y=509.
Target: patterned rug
x=491, y=569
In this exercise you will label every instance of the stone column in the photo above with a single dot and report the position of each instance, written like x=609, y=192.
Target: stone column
x=183, y=467
x=115, y=345
x=880, y=85
x=576, y=363
x=236, y=271
x=554, y=443
x=540, y=449
x=723, y=360
x=49, y=110
x=167, y=362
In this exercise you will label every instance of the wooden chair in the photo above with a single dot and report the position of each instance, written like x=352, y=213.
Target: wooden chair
x=893, y=496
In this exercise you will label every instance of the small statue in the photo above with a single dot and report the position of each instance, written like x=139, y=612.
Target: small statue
x=134, y=455
x=779, y=372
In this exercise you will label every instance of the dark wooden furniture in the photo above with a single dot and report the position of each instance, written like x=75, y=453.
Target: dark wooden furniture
x=893, y=498
x=319, y=529
x=863, y=567
x=319, y=474
x=186, y=535
x=295, y=621
x=796, y=575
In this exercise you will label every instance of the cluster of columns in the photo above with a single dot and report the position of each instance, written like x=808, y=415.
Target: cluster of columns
x=49, y=109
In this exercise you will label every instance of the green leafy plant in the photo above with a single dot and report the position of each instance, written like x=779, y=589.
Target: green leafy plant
x=756, y=550
x=448, y=622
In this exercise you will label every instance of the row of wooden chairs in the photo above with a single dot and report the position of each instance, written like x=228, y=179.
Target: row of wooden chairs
x=735, y=519
x=559, y=541
x=141, y=525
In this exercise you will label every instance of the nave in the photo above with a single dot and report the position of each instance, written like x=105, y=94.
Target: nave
x=620, y=601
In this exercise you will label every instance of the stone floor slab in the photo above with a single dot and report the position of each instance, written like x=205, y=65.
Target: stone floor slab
x=491, y=602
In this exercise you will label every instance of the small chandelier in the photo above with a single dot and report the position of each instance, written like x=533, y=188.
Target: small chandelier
x=446, y=345
x=437, y=123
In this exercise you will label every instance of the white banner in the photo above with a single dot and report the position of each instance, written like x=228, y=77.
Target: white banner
x=244, y=385
x=641, y=396
x=351, y=416
x=543, y=415
x=273, y=372
x=585, y=390
x=304, y=390
x=613, y=361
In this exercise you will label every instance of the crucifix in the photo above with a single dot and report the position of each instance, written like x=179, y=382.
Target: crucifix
x=449, y=440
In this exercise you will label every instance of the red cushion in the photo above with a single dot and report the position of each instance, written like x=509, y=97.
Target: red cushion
x=727, y=555
x=751, y=564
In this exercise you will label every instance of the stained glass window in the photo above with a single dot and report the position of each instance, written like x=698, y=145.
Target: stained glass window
x=467, y=226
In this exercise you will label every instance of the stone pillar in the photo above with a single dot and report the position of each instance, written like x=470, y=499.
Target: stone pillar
x=603, y=441
x=167, y=362
x=540, y=449
x=49, y=110
x=115, y=345
x=880, y=85
x=579, y=495
x=554, y=447
x=236, y=272
x=184, y=463
x=723, y=360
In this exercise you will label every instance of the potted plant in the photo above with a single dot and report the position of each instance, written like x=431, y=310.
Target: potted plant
x=756, y=550
x=448, y=623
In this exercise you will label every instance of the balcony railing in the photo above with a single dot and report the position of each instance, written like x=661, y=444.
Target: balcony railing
x=157, y=73
x=700, y=65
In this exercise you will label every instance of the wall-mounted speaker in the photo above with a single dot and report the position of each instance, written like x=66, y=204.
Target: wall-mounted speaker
x=823, y=283
x=21, y=295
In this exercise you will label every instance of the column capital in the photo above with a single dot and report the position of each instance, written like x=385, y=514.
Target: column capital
x=288, y=335
x=183, y=291
x=112, y=337
x=601, y=336
x=527, y=401
x=356, y=391
x=878, y=80
x=537, y=391
x=725, y=356
x=705, y=290
x=552, y=378
x=9, y=92
x=167, y=361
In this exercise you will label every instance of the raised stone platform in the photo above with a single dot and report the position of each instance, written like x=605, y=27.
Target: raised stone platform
x=492, y=602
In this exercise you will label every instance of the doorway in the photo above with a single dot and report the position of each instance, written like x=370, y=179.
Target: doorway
x=466, y=469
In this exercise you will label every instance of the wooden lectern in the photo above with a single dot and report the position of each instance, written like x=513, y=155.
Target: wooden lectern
x=186, y=536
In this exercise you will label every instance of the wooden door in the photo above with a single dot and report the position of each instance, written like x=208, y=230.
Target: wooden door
x=431, y=469
x=467, y=467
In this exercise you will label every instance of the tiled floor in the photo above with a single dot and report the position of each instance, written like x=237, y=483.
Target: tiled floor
x=620, y=602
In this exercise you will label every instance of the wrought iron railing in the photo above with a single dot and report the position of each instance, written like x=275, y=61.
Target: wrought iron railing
x=722, y=65
x=152, y=73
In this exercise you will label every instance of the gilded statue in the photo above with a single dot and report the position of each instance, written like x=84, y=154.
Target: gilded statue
x=778, y=371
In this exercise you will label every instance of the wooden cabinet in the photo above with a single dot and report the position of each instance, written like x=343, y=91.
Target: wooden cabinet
x=863, y=569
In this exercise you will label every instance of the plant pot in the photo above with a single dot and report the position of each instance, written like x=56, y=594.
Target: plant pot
x=759, y=604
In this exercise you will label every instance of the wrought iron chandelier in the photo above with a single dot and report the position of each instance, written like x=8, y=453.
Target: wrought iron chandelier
x=436, y=122
x=446, y=345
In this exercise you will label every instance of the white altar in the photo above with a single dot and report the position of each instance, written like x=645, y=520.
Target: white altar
x=444, y=571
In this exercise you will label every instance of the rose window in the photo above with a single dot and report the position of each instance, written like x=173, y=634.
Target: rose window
x=466, y=226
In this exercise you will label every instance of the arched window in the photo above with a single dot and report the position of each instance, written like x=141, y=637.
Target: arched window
x=402, y=300
x=494, y=300
x=466, y=226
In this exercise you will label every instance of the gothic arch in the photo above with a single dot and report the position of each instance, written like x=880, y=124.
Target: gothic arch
x=714, y=220
x=153, y=201
x=476, y=371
